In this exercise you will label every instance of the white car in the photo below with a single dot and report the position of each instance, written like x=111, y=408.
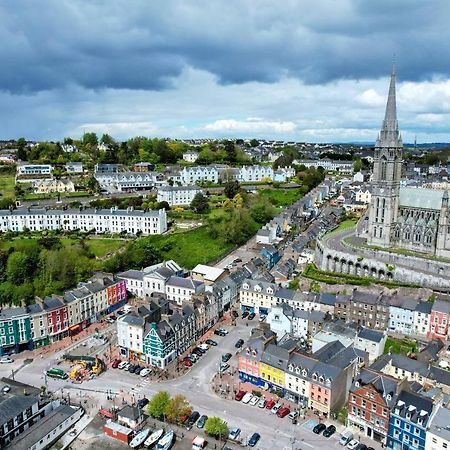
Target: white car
x=247, y=397
x=234, y=433
x=145, y=372
x=275, y=408
x=123, y=364
x=253, y=401
x=293, y=415
x=6, y=360
x=203, y=346
x=262, y=403
x=352, y=444
x=223, y=330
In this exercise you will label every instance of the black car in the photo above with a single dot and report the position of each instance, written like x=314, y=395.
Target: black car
x=192, y=419
x=219, y=333
x=142, y=402
x=235, y=314
x=319, y=428
x=201, y=350
x=131, y=368
x=251, y=316
x=201, y=422
x=330, y=430
x=226, y=357
x=239, y=343
x=211, y=342
x=245, y=314
x=361, y=447
x=254, y=439
x=138, y=370
x=197, y=352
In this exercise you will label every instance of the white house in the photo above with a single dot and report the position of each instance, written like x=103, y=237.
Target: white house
x=180, y=290
x=207, y=274
x=279, y=320
x=421, y=321
x=255, y=173
x=256, y=295
x=134, y=280
x=99, y=220
x=130, y=336
x=197, y=174
x=438, y=431
x=34, y=169
x=401, y=314
x=190, y=156
x=358, y=177
x=177, y=195
x=74, y=167
x=363, y=195
x=371, y=341
x=306, y=324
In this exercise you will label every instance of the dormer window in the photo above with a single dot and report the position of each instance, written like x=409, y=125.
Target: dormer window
x=297, y=370
x=291, y=367
x=314, y=377
x=304, y=373
x=321, y=379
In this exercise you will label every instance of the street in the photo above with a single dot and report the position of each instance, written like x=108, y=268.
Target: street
x=195, y=385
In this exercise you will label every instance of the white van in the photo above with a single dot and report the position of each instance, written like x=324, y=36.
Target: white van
x=127, y=308
x=346, y=437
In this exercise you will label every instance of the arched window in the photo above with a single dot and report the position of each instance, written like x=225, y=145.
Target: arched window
x=383, y=175
x=417, y=236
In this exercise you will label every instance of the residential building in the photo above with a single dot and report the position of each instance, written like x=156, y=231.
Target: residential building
x=336, y=330
x=270, y=255
x=328, y=164
x=177, y=195
x=255, y=173
x=50, y=185
x=306, y=324
x=421, y=319
x=15, y=330
x=98, y=220
x=363, y=196
x=199, y=174
x=408, y=422
x=439, y=320
x=273, y=365
x=279, y=320
x=207, y=274
x=57, y=317
x=298, y=378
x=257, y=296
x=190, y=156
x=180, y=290
x=112, y=168
x=371, y=341
x=438, y=431
x=31, y=170
x=401, y=314
x=159, y=344
x=144, y=167
x=130, y=336
x=370, y=401
x=74, y=167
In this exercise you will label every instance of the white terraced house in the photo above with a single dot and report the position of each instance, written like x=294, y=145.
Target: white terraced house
x=197, y=174
x=177, y=195
x=101, y=220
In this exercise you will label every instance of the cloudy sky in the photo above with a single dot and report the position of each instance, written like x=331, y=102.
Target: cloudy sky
x=313, y=70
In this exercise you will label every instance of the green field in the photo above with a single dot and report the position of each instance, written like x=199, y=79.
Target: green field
x=280, y=197
x=401, y=346
x=7, y=183
x=344, y=225
x=190, y=248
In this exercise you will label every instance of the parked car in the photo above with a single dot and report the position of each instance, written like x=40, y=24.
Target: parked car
x=361, y=446
x=352, y=444
x=275, y=408
x=235, y=314
x=197, y=352
x=331, y=429
x=237, y=260
x=6, y=360
x=234, y=433
x=138, y=370
x=224, y=366
x=253, y=401
x=123, y=364
x=211, y=342
x=270, y=404
x=283, y=412
x=192, y=419
x=142, y=402
x=251, y=316
x=219, y=333
x=346, y=437
x=255, y=437
x=202, y=350
x=187, y=362
x=247, y=397
x=226, y=357
x=245, y=314
x=262, y=403
x=239, y=343
x=224, y=331
x=204, y=347
x=121, y=312
x=239, y=396
x=193, y=357
x=145, y=371
x=115, y=363
x=201, y=421
x=319, y=428
x=262, y=318
x=131, y=368
x=293, y=415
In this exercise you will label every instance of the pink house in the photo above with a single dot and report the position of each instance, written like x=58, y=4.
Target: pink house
x=439, y=320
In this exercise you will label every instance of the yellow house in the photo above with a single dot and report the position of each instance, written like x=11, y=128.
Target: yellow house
x=273, y=364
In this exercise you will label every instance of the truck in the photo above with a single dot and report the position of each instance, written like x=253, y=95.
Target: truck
x=346, y=437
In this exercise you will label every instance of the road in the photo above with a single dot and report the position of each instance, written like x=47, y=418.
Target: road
x=195, y=386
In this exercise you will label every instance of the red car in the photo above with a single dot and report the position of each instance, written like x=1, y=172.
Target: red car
x=115, y=363
x=283, y=412
x=238, y=397
x=187, y=362
x=270, y=404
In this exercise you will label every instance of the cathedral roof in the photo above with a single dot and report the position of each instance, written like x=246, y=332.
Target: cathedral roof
x=421, y=198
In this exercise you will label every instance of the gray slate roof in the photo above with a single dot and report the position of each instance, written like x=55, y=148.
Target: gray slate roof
x=421, y=198
x=370, y=335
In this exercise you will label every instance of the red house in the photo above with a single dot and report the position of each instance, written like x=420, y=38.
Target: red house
x=57, y=318
x=439, y=320
x=117, y=431
x=117, y=292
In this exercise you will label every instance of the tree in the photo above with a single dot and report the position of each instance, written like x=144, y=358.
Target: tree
x=231, y=188
x=177, y=408
x=18, y=268
x=200, y=203
x=158, y=404
x=357, y=165
x=90, y=138
x=230, y=150
x=163, y=205
x=216, y=427
x=254, y=142
x=262, y=211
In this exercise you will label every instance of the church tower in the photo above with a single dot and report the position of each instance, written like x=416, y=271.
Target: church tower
x=387, y=165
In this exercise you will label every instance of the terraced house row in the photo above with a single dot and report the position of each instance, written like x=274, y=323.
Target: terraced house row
x=55, y=317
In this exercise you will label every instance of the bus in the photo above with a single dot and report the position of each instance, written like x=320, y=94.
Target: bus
x=57, y=373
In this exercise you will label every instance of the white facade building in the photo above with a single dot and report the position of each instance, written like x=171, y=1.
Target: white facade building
x=198, y=174
x=34, y=169
x=401, y=315
x=421, y=321
x=190, y=156
x=130, y=335
x=328, y=164
x=371, y=341
x=255, y=173
x=177, y=195
x=102, y=221
x=181, y=290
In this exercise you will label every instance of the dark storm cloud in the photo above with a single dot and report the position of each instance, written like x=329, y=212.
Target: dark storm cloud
x=146, y=44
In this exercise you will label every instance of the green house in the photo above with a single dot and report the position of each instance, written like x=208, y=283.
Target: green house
x=15, y=330
x=159, y=344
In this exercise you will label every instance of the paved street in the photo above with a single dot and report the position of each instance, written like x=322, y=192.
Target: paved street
x=195, y=385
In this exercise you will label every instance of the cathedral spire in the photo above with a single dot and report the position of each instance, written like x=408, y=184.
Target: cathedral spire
x=389, y=135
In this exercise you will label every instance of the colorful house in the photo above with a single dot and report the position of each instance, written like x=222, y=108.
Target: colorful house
x=15, y=330
x=271, y=255
x=439, y=320
x=159, y=344
x=249, y=361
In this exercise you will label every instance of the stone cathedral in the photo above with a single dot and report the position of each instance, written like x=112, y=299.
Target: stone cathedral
x=410, y=218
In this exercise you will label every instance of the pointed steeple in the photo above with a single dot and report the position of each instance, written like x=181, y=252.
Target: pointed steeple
x=389, y=134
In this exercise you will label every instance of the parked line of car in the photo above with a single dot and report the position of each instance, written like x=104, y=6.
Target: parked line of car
x=130, y=367
x=235, y=432
x=275, y=408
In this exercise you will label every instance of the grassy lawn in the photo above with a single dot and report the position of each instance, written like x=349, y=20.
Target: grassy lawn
x=280, y=197
x=344, y=225
x=7, y=184
x=190, y=248
x=401, y=346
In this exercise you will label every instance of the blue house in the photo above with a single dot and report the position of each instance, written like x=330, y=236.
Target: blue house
x=271, y=256
x=408, y=422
